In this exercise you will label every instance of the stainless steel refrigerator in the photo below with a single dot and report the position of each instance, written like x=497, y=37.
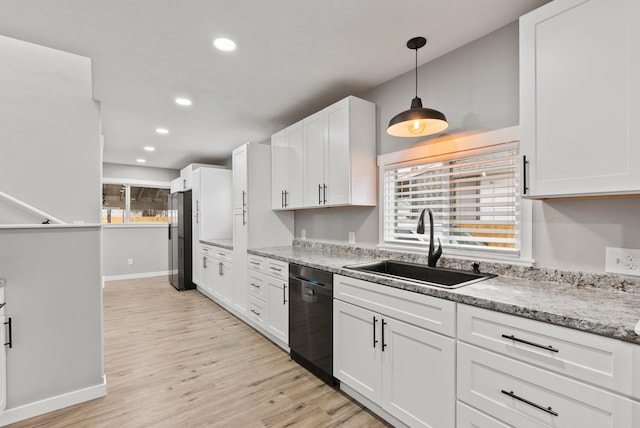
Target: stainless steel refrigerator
x=180, y=249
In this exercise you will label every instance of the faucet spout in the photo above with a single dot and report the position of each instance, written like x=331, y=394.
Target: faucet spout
x=434, y=255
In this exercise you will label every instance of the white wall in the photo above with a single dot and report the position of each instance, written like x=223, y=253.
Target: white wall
x=49, y=132
x=476, y=87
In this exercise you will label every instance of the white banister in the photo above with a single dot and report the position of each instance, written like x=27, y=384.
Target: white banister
x=30, y=208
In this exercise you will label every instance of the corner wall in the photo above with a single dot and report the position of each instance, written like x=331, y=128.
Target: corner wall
x=49, y=133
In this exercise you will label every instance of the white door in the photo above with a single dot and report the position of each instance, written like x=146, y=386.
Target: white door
x=418, y=375
x=295, y=139
x=239, y=166
x=337, y=171
x=357, y=349
x=3, y=364
x=580, y=97
x=278, y=302
x=315, y=127
x=208, y=279
x=279, y=169
x=240, y=263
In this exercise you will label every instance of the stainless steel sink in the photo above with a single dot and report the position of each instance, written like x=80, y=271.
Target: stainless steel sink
x=439, y=277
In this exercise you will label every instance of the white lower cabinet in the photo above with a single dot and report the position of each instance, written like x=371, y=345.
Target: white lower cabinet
x=527, y=373
x=407, y=370
x=217, y=274
x=269, y=298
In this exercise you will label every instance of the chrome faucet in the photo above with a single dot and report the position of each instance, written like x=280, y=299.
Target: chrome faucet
x=433, y=256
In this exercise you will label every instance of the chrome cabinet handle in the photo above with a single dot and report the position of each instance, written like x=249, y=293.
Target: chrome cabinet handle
x=244, y=204
x=220, y=269
x=255, y=263
x=256, y=313
x=276, y=269
x=286, y=198
x=531, y=403
x=324, y=192
x=282, y=198
x=244, y=218
x=319, y=194
x=284, y=294
x=204, y=262
x=254, y=285
x=526, y=342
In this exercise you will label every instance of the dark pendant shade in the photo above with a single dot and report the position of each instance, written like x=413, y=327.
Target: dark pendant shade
x=418, y=121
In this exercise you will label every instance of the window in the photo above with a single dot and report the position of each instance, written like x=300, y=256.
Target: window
x=123, y=203
x=473, y=193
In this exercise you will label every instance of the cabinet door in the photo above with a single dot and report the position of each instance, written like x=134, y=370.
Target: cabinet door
x=239, y=166
x=240, y=282
x=295, y=139
x=356, y=349
x=208, y=279
x=279, y=169
x=337, y=170
x=315, y=136
x=197, y=263
x=418, y=375
x=225, y=278
x=278, y=303
x=580, y=97
x=3, y=365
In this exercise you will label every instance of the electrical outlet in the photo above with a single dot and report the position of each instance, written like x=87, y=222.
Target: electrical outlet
x=130, y=262
x=623, y=260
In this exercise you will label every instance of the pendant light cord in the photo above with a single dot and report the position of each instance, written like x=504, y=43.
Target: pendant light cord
x=416, y=73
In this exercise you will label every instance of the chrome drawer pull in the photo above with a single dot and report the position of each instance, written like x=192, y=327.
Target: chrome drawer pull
x=526, y=342
x=255, y=313
x=276, y=269
x=537, y=406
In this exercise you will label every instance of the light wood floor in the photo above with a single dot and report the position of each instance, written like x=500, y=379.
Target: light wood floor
x=176, y=359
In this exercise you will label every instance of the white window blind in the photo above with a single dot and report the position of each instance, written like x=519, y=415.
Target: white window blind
x=474, y=198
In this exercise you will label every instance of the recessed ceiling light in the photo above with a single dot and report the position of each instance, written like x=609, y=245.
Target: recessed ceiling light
x=224, y=44
x=140, y=160
x=183, y=102
x=150, y=149
x=162, y=130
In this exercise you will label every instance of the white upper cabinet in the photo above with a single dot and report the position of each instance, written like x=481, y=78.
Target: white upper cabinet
x=580, y=98
x=331, y=156
x=239, y=160
x=287, y=167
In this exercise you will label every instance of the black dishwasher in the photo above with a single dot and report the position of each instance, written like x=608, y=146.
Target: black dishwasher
x=311, y=320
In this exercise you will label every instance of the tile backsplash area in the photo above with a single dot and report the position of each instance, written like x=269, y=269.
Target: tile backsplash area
x=578, y=279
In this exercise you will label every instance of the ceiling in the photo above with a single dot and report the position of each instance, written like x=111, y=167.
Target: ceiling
x=294, y=57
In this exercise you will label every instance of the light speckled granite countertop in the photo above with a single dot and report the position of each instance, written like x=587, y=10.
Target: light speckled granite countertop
x=222, y=243
x=608, y=312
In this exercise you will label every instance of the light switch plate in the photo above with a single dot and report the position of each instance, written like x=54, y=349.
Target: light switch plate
x=623, y=260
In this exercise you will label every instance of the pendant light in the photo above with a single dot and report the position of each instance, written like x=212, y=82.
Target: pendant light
x=417, y=121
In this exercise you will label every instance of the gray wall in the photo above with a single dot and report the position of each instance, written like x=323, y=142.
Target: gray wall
x=476, y=86
x=146, y=244
x=49, y=132
x=54, y=297
x=115, y=170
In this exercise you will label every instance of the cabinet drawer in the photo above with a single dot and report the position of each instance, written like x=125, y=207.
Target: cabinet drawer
x=588, y=357
x=526, y=396
x=257, y=311
x=468, y=417
x=257, y=285
x=221, y=254
x=257, y=263
x=278, y=269
x=428, y=312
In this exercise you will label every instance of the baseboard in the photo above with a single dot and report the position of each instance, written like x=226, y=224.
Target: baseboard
x=136, y=275
x=54, y=403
